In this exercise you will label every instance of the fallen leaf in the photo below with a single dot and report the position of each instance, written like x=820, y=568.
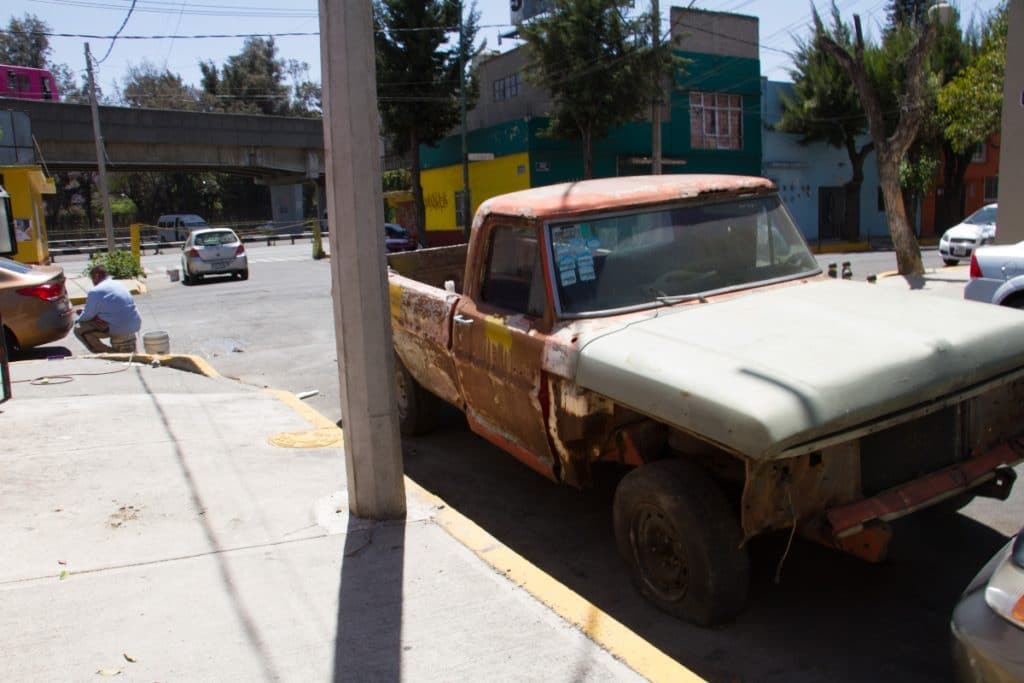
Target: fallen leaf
x=129, y=657
x=108, y=672
x=63, y=574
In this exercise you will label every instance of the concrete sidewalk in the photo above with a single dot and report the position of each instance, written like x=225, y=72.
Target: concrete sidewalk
x=166, y=525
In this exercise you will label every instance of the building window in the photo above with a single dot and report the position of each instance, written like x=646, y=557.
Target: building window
x=978, y=157
x=991, y=188
x=507, y=87
x=716, y=120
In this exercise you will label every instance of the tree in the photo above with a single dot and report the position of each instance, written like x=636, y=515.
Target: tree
x=147, y=87
x=970, y=104
x=251, y=81
x=891, y=141
x=825, y=107
x=598, y=65
x=420, y=73
x=25, y=42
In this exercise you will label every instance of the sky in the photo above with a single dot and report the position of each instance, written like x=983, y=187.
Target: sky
x=176, y=35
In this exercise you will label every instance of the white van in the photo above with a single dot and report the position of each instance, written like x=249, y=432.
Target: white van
x=175, y=227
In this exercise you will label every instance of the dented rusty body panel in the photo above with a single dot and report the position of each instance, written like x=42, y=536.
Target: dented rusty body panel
x=779, y=389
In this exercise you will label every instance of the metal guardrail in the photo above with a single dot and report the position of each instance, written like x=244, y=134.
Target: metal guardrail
x=92, y=246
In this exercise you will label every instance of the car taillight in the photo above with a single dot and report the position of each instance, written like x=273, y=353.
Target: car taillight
x=193, y=252
x=51, y=291
x=975, y=268
x=240, y=249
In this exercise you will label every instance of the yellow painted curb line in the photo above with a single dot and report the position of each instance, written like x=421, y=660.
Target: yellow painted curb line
x=325, y=435
x=188, y=363
x=606, y=631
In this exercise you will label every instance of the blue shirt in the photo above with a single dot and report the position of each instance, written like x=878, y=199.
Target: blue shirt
x=111, y=302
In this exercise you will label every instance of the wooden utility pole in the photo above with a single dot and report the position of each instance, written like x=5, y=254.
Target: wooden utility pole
x=362, y=323
x=101, y=154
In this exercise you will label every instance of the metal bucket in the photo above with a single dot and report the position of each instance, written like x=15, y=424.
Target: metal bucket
x=156, y=342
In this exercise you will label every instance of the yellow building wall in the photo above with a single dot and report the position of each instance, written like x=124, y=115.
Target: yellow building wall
x=486, y=179
x=27, y=185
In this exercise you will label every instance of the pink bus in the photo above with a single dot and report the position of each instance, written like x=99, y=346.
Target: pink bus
x=27, y=83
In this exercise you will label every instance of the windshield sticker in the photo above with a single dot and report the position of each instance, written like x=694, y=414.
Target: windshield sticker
x=567, y=277
x=593, y=244
x=585, y=263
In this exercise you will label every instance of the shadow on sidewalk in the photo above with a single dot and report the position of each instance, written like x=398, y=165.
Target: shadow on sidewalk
x=369, y=634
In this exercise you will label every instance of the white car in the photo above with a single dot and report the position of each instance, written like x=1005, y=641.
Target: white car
x=213, y=251
x=960, y=241
x=997, y=275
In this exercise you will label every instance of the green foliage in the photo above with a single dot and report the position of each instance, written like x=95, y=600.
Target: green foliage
x=119, y=263
x=970, y=105
x=824, y=105
x=420, y=68
x=25, y=43
x=148, y=87
x=598, y=64
x=398, y=179
x=251, y=81
x=918, y=177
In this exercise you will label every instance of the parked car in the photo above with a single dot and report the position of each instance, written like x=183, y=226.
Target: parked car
x=175, y=227
x=214, y=251
x=962, y=239
x=34, y=304
x=997, y=275
x=988, y=621
x=397, y=238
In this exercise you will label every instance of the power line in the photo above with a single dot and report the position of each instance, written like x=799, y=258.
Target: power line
x=114, y=39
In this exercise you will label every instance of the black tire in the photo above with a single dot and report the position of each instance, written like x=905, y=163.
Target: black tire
x=950, y=261
x=244, y=275
x=1015, y=301
x=417, y=407
x=681, y=541
x=10, y=343
x=186, y=279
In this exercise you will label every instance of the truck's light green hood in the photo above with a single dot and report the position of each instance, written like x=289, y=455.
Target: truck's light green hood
x=774, y=369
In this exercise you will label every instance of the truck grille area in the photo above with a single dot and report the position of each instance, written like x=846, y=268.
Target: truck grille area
x=907, y=451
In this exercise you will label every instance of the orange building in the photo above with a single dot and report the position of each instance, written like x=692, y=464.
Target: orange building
x=981, y=186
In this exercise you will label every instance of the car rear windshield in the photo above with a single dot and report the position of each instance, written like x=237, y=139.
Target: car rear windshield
x=14, y=266
x=213, y=239
x=657, y=257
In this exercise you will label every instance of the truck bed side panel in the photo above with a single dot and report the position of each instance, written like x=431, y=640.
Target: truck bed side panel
x=421, y=323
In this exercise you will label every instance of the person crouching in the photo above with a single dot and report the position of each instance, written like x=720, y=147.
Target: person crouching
x=109, y=313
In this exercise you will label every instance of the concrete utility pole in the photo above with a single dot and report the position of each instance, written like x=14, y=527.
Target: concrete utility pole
x=656, y=105
x=362, y=324
x=101, y=155
x=1011, y=153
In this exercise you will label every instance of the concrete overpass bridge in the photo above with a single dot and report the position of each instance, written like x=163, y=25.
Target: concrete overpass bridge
x=276, y=149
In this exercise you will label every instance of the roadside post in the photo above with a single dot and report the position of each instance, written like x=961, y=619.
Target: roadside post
x=362, y=322
x=135, y=231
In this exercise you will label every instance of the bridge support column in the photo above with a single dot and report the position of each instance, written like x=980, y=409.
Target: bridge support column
x=286, y=206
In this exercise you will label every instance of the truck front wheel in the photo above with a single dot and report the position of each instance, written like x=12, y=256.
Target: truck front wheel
x=681, y=540
x=417, y=407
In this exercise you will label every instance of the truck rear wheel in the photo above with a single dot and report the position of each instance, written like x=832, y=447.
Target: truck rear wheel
x=417, y=407
x=681, y=540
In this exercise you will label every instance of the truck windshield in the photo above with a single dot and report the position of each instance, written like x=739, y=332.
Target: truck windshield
x=656, y=257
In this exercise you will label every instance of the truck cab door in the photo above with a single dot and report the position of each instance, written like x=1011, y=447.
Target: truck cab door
x=498, y=349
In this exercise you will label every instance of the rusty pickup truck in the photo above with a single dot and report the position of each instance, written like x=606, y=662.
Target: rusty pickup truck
x=679, y=328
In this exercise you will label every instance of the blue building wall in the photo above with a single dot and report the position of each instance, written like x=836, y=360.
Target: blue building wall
x=801, y=170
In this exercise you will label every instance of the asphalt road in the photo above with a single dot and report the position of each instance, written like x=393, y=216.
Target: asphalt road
x=829, y=618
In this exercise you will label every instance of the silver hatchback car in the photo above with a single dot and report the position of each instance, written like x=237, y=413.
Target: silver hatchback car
x=213, y=251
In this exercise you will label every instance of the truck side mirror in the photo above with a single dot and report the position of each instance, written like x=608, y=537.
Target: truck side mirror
x=8, y=244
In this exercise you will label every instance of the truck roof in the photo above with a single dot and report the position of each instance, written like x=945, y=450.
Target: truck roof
x=618, y=192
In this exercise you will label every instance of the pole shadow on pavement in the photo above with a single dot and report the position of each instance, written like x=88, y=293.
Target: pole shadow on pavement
x=368, y=644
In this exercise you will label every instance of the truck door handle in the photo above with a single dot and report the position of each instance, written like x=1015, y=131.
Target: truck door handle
x=462, y=320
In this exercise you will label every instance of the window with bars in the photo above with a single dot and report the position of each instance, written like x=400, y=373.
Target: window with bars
x=506, y=87
x=716, y=120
